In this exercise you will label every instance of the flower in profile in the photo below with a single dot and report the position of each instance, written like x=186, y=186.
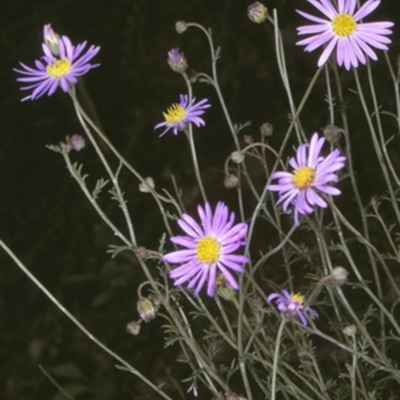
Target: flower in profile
x=292, y=303
x=209, y=249
x=257, y=12
x=177, y=61
x=60, y=65
x=343, y=29
x=312, y=174
x=178, y=115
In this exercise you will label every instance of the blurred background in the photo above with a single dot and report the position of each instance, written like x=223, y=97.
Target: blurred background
x=45, y=218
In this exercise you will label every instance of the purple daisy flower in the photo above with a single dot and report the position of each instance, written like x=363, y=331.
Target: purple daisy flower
x=292, y=303
x=209, y=248
x=60, y=65
x=178, y=115
x=344, y=30
x=311, y=174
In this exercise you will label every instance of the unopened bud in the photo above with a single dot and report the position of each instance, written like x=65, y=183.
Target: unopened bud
x=51, y=39
x=332, y=133
x=266, y=129
x=224, y=289
x=77, y=142
x=231, y=181
x=180, y=26
x=257, y=12
x=339, y=275
x=146, y=309
x=133, y=327
x=147, y=185
x=237, y=157
x=248, y=139
x=177, y=61
x=350, y=330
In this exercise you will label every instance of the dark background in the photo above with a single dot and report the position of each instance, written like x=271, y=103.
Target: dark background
x=44, y=216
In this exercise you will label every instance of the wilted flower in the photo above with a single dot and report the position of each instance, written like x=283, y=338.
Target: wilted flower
x=177, y=61
x=292, y=303
x=312, y=173
x=266, y=129
x=180, y=26
x=339, y=275
x=343, y=29
x=257, y=12
x=209, y=247
x=55, y=70
x=178, y=115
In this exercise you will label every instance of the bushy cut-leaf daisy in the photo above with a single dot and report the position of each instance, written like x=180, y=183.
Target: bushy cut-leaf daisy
x=209, y=248
x=178, y=115
x=343, y=29
x=60, y=65
x=311, y=173
x=292, y=303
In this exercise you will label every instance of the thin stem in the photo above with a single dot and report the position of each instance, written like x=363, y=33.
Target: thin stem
x=276, y=357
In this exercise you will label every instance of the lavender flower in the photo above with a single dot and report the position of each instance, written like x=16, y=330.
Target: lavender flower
x=178, y=115
x=344, y=30
x=209, y=247
x=60, y=65
x=311, y=174
x=292, y=303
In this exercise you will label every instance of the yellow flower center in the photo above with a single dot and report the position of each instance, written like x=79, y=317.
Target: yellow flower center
x=297, y=298
x=208, y=250
x=303, y=177
x=174, y=114
x=344, y=25
x=59, y=68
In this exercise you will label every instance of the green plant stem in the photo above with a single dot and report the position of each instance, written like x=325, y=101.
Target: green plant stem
x=276, y=357
x=40, y=286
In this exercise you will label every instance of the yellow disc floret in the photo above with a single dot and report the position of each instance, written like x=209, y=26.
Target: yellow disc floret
x=59, y=68
x=303, y=177
x=297, y=298
x=344, y=25
x=174, y=114
x=208, y=250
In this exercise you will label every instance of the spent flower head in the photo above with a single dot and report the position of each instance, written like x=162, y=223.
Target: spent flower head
x=312, y=174
x=59, y=66
x=177, y=61
x=343, y=29
x=179, y=115
x=209, y=248
x=289, y=304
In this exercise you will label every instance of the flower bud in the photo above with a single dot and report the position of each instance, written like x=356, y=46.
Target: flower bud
x=231, y=181
x=257, y=12
x=332, y=133
x=177, y=61
x=180, y=26
x=51, y=39
x=133, y=327
x=77, y=142
x=248, y=139
x=147, y=185
x=224, y=289
x=237, y=157
x=266, y=129
x=146, y=309
x=339, y=275
x=350, y=330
